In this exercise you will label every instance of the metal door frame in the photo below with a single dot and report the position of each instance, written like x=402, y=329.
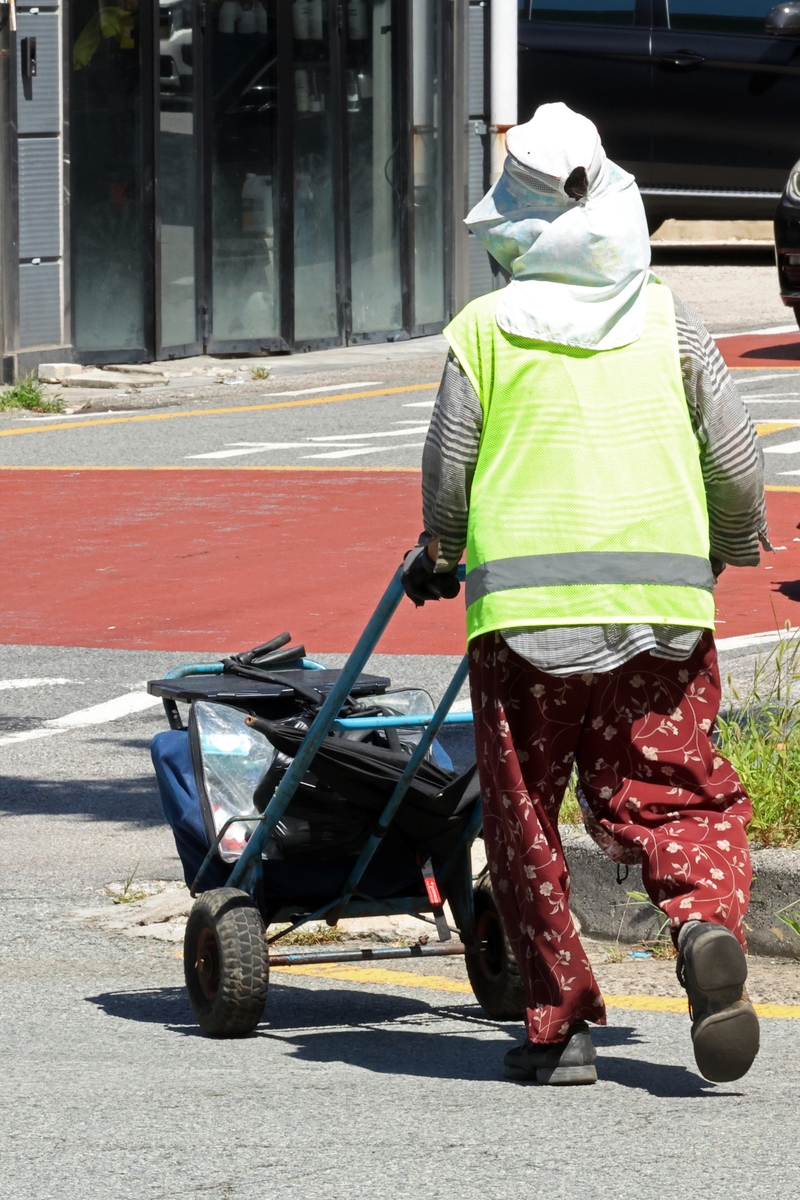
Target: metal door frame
x=284, y=214
x=200, y=149
x=337, y=36
x=452, y=24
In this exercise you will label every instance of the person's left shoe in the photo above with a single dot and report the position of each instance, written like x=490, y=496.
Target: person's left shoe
x=558, y=1063
x=712, y=968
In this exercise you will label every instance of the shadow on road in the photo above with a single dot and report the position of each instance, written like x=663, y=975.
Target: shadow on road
x=381, y=1032
x=789, y=588
x=133, y=800
x=658, y=1079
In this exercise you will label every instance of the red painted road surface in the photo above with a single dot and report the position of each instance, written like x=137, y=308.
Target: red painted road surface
x=221, y=560
x=761, y=350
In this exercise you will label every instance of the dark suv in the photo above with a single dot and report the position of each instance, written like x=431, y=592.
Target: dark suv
x=787, y=242
x=699, y=99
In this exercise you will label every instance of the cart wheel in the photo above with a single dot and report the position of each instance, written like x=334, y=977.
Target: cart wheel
x=226, y=962
x=493, y=970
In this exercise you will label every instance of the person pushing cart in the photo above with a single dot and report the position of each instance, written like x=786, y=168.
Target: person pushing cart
x=589, y=449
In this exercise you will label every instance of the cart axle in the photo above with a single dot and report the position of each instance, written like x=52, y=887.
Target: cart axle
x=367, y=955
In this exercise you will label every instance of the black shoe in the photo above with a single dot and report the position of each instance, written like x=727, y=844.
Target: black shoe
x=567, y=1062
x=712, y=967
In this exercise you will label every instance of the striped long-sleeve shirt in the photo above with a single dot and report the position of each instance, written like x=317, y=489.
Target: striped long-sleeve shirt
x=732, y=467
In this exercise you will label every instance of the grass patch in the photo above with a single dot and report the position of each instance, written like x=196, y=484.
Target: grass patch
x=660, y=947
x=790, y=916
x=570, y=813
x=128, y=892
x=28, y=393
x=762, y=740
x=259, y=373
x=312, y=935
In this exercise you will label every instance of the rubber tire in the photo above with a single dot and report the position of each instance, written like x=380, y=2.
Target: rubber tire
x=226, y=962
x=796, y=311
x=493, y=970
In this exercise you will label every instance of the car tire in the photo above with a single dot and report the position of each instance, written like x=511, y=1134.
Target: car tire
x=226, y=962
x=796, y=311
x=492, y=969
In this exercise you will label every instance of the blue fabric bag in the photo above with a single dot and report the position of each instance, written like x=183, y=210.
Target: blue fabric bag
x=386, y=875
x=173, y=765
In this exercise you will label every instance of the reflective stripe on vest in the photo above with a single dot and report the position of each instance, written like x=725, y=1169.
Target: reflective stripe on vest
x=587, y=504
x=560, y=570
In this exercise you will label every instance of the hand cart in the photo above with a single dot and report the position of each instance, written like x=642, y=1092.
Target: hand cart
x=227, y=955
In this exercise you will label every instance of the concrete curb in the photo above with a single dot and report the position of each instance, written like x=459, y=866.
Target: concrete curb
x=604, y=909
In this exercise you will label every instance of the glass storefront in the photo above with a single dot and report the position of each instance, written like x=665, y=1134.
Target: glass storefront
x=429, y=180
x=244, y=172
x=375, y=154
x=314, y=113
x=109, y=224
x=257, y=175
x=176, y=158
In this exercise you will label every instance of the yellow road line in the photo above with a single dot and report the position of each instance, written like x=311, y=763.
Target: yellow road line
x=434, y=983
x=781, y=487
x=442, y=983
x=764, y=428
x=213, y=412
x=271, y=467
x=665, y=1004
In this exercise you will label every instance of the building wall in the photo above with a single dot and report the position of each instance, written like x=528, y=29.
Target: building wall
x=42, y=287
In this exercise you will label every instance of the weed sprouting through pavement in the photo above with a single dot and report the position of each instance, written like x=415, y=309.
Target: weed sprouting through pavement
x=28, y=394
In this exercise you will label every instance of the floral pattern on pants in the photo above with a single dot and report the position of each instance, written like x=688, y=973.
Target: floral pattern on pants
x=658, y=792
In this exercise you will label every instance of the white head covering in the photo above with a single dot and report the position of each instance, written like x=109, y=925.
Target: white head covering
x=579, y=255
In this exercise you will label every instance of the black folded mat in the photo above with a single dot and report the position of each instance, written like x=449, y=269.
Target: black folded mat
x=434, y=811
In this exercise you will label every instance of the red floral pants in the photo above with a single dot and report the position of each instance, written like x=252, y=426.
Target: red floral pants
x=657, y=790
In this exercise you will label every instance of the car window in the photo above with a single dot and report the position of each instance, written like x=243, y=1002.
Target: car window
x=720, y=16
x=587, y=12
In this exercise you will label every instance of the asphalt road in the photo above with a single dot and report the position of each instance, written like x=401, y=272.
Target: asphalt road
x=350, y=1088
x=371, y=420
x=349, y=1091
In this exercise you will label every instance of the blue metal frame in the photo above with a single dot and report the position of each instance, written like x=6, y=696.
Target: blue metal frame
x=245, y=872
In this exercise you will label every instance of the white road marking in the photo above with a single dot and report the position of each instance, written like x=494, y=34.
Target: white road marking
x=9, y=685
x=253, y=448
x=752, y=332
x=420, y=404
x=237, y=449
x=348, y=437
x=70, y=415
x=755, y=639
x=786, y=448
x=778, y=397
x=364, y=450
x=97, y=714
x=756, y=377
x=332, y=387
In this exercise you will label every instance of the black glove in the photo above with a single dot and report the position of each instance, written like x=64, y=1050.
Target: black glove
x=420, y=583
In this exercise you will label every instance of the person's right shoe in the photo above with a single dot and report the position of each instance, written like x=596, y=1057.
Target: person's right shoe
x=712, y=968
x=568, y=1062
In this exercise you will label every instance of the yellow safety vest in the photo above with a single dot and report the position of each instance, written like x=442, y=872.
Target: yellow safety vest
x=587, y=505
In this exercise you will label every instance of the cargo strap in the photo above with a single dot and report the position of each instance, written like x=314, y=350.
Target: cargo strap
x=434, y=895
